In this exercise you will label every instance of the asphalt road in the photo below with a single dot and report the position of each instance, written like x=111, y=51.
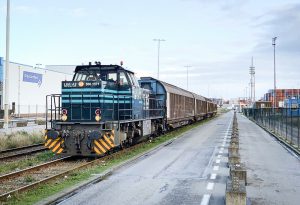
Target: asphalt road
x=191, y=170
x=273, y=171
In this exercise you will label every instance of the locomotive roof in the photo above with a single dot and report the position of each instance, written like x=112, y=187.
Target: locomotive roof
x=100, y=67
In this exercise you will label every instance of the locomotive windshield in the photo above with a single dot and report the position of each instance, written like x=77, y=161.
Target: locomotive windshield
x=86, y=75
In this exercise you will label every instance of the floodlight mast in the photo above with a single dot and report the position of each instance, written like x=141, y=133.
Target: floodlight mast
x=158, y=51
x=274, y=93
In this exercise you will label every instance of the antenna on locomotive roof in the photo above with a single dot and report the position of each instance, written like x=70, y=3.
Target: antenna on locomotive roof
x=121, y=63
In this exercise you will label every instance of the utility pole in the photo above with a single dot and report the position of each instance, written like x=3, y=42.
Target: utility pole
x=187, y=76
x=19, y=87
x=252, y=81
x=158, y=50
x=6, y=82
x=274, y=93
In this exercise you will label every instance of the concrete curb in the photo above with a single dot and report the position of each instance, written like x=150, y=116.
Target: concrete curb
x=277, y=137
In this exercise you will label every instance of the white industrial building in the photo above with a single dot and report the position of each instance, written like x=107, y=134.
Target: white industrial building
x=29, y=85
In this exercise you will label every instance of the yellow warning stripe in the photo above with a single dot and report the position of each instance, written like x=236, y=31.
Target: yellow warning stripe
x=108, y=141
x=99, y=146
x=105, y=145
x=56, y=147
x=110, y=138
x=59, y=151
x=48, y=142
x=45, y=137
x=54, y=142
x=97, y=150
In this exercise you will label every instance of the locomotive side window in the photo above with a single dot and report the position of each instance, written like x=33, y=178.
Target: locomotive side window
x=112, y=77
x=123, y=79
x=133, y=79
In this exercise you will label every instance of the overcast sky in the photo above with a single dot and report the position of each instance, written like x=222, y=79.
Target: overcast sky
x=216, y=37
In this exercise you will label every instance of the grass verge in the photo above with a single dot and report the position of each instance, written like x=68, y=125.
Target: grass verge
x=10, y=166
x=20, y=139
x=43, y=191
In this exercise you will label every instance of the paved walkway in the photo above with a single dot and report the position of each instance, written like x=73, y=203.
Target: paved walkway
x=273, y=171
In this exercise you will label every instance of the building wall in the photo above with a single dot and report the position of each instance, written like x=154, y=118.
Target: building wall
x=33, y=93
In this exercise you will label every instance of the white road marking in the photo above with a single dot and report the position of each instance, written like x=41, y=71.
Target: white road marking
x=220, y=151
x=210, y=186
x=218, y=161
x=213, y=176
x=205, y=199
x=216, y=168
x=219, y=156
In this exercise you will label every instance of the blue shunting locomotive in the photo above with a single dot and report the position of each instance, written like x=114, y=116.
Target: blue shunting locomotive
x=105, y=107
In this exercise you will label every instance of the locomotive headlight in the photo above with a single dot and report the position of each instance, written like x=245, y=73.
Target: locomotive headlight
x=97, y=115
x=64, y=116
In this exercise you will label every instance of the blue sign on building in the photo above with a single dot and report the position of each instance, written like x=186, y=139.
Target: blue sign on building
x=32, y=77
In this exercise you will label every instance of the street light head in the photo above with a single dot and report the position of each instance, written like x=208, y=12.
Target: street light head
x=274, y=41
x=158, y=39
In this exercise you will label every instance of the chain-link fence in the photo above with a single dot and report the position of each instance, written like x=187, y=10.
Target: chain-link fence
x=284, y=122
x=29, y=111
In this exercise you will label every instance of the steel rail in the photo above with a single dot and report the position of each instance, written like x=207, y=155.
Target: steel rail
x=30, y=170
x=15, y=152
x=20, y=148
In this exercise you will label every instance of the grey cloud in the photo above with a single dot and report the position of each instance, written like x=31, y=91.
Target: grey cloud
x=284, y=24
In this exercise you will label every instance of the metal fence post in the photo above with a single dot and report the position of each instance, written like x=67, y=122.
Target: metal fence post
x=281, y=121
x=298, y=116
x=36, y=111
x=285, y=109
x=292, y=127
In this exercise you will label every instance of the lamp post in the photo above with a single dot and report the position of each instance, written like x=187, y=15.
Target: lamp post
x=158, y=49
x=19, y=90
x=274, y=93
x=6, y=82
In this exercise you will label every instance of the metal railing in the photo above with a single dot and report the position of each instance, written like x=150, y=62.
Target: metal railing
x=283, y=122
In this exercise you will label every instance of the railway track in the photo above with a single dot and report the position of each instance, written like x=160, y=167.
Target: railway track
x=25, y=179
x=16, y=152
x=29, y=178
